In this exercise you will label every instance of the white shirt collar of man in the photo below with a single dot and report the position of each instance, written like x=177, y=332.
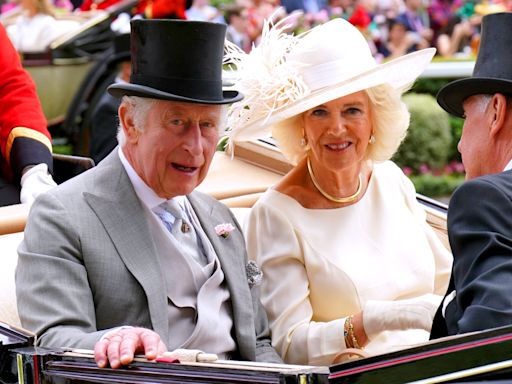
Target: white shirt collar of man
x=509, y=166
x=145, y=194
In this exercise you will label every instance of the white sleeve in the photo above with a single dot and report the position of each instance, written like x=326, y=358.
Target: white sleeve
x=274, y=244
x=442, y=256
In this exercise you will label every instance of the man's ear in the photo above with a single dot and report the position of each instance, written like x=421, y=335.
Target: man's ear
x=127, y=123
x=498, y=111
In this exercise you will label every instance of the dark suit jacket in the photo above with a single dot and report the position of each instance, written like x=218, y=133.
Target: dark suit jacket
x=104, y=123
x=480, y=232
x=87, y=264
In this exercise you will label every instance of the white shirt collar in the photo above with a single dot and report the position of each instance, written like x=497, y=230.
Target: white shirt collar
x=145, y=194
x=509, y=166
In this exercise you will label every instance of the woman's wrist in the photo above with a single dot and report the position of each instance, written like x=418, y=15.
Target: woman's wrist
x=353, y=331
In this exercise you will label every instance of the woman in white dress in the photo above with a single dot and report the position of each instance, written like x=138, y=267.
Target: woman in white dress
x=36, y=28
x=348, y=259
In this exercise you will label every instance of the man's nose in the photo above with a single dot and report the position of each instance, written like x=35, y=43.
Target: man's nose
x=193, y=142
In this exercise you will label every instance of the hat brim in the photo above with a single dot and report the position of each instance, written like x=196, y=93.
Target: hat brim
x=451, y=97
x=126, y=89
x=398, y=73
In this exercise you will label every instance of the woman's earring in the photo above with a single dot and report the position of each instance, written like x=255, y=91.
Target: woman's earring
x=303, y=141
x=372, y=139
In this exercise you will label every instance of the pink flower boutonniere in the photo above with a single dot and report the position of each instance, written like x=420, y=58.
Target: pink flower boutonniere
x=224, y=229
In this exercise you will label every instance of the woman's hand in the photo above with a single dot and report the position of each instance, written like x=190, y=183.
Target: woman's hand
x=384, y=315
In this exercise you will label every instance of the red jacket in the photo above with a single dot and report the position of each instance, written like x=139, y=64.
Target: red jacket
x=24, y=137
x=163, y=9
x=87, y=5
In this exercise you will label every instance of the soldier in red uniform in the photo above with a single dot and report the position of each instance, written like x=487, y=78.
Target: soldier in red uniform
x=25, y=143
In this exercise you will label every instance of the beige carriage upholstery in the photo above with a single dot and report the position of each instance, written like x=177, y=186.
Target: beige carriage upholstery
x=237, y=182
x=9, y=258
x=13, y=218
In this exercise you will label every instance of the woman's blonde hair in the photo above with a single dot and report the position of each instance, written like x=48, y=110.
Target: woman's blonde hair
x=389, y=118
x=43, y=7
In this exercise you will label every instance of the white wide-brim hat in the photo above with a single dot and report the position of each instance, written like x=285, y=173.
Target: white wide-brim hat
x=286, y=75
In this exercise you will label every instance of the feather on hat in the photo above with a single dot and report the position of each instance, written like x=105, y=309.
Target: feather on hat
x=286, y=75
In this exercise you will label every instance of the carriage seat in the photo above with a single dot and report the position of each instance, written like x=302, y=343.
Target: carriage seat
x=8, y=309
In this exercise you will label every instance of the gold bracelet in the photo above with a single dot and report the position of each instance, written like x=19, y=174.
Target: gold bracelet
x=348, y=341
x=351, y=333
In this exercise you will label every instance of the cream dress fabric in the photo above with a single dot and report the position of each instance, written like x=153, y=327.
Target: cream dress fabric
x=321, y=265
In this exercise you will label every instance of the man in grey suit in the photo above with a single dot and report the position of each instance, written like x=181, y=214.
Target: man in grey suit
x=127, y=257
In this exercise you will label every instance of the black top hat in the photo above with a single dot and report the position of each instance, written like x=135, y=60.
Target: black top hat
x=493, y=67
x=177, y=60
x=122, y=44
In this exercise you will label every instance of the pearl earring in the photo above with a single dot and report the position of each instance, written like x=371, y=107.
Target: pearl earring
x=303, y=141
x=372, y=139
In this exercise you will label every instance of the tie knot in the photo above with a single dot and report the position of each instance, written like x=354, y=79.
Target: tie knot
x=173, y=216
x=173, y=207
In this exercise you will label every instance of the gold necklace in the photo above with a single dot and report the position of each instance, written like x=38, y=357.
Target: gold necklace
x=347, y=199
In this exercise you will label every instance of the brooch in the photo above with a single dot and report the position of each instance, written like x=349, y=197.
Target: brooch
x=254, y=274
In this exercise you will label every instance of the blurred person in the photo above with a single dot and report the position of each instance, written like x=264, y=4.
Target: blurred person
x=454, y=24
x=92, y=5
x=236, y=19
x=479, y=296
x=341, y=8
x=361, y=16
x=398, y=42
x=104, y=120
x=128, y=257
x=417, y=21
x=26, y=150
x=347, y=256
x=257, y=12
x=202, y=10
x=163, y=9
x=34, y=29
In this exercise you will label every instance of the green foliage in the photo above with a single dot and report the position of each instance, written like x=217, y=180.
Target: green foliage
x=222, y=144
x=430, y=86
x=456, y=124
x=429, y=140
x=63, y=149
x=221, y=4
x=436, y=186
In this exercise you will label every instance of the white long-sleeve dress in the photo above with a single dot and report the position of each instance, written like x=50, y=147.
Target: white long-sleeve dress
x=322, y=265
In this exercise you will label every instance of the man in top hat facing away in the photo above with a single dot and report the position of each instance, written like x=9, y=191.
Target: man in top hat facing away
x=130, y=243
x=480, y=213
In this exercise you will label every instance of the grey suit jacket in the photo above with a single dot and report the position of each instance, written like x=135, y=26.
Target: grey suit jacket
x=87, y=264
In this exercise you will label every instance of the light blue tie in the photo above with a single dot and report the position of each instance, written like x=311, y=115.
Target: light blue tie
x=173, y=218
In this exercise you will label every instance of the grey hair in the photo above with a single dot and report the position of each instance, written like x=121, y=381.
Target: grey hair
x=140, y=106
x=389, y=117
x=483, y=101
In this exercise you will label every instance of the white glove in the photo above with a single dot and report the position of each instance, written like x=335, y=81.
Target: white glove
x=388, y=315
x=35, y=180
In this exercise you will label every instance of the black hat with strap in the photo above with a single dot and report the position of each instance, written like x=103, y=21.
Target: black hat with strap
x=493, y=67
x=177, y=60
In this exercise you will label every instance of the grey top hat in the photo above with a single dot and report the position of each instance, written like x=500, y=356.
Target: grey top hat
x=177, y=60
x=493, y=67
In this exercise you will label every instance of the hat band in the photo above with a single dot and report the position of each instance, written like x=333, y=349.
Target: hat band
x=334, y=72
x=210, y=90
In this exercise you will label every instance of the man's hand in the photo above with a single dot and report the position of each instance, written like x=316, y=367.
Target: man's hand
x=119, y=347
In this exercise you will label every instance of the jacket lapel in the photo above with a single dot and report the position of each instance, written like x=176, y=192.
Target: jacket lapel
x=230, y=251
x=120, y=211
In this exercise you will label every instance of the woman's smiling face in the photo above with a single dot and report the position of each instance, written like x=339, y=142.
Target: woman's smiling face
x=338, y=131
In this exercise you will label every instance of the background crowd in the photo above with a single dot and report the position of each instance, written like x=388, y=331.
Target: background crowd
x=392, y=27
